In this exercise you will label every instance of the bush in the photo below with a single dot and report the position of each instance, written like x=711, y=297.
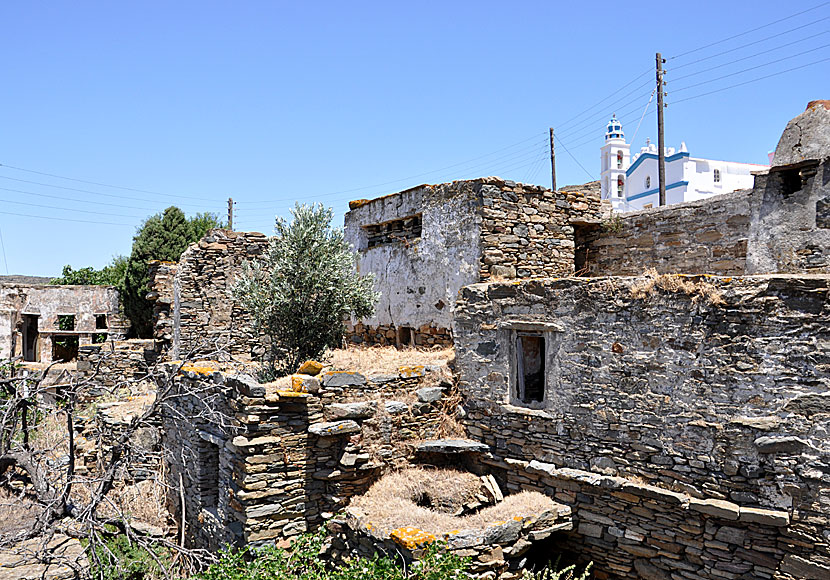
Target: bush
x=303, y=288
x=110, y=275
x=303, y=562
x=119, y=559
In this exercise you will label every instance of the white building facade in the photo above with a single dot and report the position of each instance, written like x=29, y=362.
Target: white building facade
x=636, y=185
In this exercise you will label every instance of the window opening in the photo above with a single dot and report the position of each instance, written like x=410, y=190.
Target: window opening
x=30, y=338
x=64, y=348
x=208, y=483
x=648, y=181
x=620, y=186
x=99, y=337
x=717, y=175
x=101, y=322
x=530, y=351
x=66, y=322
x=400, y=230
x=619, y=159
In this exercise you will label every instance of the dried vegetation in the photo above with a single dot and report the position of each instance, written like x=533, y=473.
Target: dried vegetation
x=698, y=287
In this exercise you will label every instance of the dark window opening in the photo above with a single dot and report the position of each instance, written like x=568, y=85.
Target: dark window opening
x=64, y=348
x=30, y=338
x=66, y=322
x=208, y=483
x=101, y=322
x=530, y=350
x=406, y=336
x=400, y=230
x=99, y=337
x=583, y=238
x=790, y=182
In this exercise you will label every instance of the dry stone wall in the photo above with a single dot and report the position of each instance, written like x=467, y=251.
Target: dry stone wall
x=698, y=237
x=285, y=460
x=205, y=317
x=114, y=364
x=161, y=276
x=713, y=387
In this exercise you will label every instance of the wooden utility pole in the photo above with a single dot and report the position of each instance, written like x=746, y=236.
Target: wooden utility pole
x=661, y=145
x=552, y=162
x=230, y=213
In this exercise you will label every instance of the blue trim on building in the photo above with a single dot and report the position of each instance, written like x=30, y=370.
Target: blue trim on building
x=653, y=191
x=643, y=156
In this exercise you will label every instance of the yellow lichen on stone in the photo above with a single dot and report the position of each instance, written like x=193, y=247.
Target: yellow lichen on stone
x=298, y=384
x=310, y=367
x=411, y=538
x=356, y=203
x=411, y=372
x=198, y=369
x=291, y=394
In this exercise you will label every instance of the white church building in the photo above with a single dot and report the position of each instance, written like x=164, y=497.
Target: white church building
x=632, y=183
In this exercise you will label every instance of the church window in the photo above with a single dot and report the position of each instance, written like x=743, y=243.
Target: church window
x=717, y=175
x=620, y=186
x=648, y=181
x=619, y=159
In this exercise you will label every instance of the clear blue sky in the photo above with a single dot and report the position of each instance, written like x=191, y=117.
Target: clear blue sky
x=272, y=102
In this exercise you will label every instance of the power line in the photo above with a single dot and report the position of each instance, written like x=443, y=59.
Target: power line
x=61, y=197
x=43, y=217
x=555, y=136
x=6, y=262
x=751, y=81
x=751, y=44
x=748, y=69
x=629, y=83
x=711, y=44
x=105, y=184
x=65, y=208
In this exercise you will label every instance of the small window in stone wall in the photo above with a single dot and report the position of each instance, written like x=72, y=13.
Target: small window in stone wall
x=100, y=321
x=530, y=367
x=396, y=231
x=208, y=482
x=66, y=322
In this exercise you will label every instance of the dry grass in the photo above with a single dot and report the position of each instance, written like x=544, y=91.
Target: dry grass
x=699, y=289
x=385, y=359
x=392, y=502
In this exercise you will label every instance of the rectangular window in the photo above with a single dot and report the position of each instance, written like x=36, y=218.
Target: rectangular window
x=530, y=366
x=100, y=321
x=66, y=322
x=396, y=231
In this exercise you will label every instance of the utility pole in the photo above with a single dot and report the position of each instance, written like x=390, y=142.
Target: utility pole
x=661, y=145
x=230, y=213
x=552, y=162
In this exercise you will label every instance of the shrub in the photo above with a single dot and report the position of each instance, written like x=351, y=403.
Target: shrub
x=302, y=289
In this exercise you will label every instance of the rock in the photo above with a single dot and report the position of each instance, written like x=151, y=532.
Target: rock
x=361, y=410
x=429, y=394
x=342, y=379
x=334, y=429
x=301, y=383
x=764, y=517
x=451, y=446
x=780, y=444
x=310, y=367
x=396, y=407
x=147, y=529
x=799, y=567
x=648, y=571
x=715, y=507
x=806, y=136
x=768, y=423
x=246, y=385
x=506, y=533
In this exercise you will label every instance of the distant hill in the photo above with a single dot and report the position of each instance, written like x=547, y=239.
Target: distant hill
x=20, y=279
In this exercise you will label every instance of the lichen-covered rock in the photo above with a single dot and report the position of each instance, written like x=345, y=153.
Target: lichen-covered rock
x=310, y=367
x=334, y=428
x=342, y=379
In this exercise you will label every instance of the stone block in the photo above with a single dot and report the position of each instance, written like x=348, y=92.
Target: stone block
x=342, y=379
x=395, y=407
x=715, y=507
x=334, y=429
x=429, y=394
x=780, y=444
x=361, y=410
x=764, y=517
x=452, y=446
x=310, y=367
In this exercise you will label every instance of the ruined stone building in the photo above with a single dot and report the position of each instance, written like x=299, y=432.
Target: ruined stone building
x=45, y=323
x=424, y=244
x=674, y=404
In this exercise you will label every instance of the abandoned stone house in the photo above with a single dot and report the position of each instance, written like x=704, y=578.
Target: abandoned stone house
x=46, y=323
x=680, y=416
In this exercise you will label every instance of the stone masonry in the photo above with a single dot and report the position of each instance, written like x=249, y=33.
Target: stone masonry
x=714, y=389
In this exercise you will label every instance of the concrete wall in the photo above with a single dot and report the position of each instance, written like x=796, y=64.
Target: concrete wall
x=48, y=301
x=716, y=388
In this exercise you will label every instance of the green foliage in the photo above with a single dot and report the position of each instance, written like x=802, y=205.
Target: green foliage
x=120, y=559
x=552, y=572
x=302, y=289
x=613, y=225
x=303, y=562
x=110, y=275
x=163, y=236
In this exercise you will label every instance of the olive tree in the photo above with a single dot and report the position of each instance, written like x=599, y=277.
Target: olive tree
x=301, y=290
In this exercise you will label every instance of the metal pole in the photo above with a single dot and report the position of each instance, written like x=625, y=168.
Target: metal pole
x=661, y=145
x=230, y=213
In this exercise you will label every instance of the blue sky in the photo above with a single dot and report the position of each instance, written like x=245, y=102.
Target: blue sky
x=189, y=103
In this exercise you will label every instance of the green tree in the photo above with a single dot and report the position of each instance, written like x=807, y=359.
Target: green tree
x=110, y=275
x=302, y=289
x=163, y=236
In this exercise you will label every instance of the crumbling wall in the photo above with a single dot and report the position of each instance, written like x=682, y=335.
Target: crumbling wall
x=287, y=460
x=697, y=237
x=205, y=316
x=114, y=364
x=714, y=387
x=161, y=277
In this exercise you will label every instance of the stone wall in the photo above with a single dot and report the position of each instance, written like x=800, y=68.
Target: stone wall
x=707, y=236
x=713, y=387
x=162, y=295
x=114, y=364
x=287, y=460
x=205, y=317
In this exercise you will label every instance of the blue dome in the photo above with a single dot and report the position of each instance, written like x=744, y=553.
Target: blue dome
x=614, y=129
